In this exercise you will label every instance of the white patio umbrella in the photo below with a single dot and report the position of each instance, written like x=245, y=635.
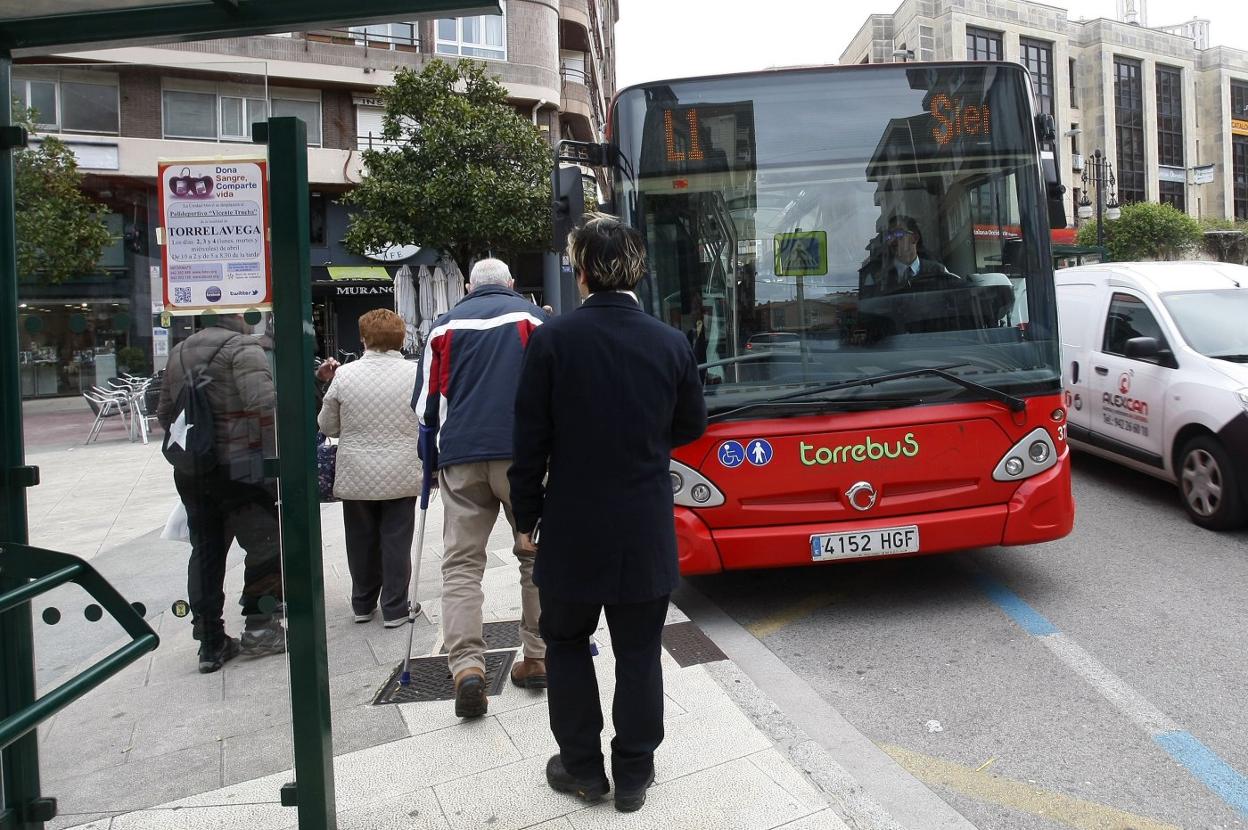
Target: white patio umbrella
x=428, y=305
x=438, y=288
x=405, y=307
x=454, y=281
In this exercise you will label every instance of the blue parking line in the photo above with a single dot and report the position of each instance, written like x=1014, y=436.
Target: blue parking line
x=1015, y=607
x=1203, y=763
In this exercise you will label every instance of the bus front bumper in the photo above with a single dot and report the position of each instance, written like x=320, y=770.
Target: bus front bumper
x=1042, y=509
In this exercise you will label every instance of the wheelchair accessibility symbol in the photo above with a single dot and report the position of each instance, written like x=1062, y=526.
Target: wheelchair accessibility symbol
x=759, y=452
x=731, y=454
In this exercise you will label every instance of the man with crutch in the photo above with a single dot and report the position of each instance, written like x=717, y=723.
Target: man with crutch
x=466, y=392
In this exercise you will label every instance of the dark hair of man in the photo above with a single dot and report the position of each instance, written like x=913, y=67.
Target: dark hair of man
x=610, y=254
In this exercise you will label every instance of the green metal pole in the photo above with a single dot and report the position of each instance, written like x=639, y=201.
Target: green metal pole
x=19, y=763
x=295, y=351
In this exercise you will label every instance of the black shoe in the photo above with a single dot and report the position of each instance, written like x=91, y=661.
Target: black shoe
x=630, y=801
x=213, y=657
x=562, y=781
x=269, y=638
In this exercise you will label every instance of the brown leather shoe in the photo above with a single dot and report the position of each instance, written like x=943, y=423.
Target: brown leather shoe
x=529, y=673
x=470, y=694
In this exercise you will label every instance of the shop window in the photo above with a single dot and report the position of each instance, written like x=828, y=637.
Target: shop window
x=317, y=218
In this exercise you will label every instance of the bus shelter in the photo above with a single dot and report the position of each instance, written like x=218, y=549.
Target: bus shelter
x=29, y=572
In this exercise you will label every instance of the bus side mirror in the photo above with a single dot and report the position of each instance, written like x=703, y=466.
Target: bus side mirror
x=1054, y=190
x=568, y=209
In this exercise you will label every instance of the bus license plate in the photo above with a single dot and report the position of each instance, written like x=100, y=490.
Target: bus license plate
x=882, y=542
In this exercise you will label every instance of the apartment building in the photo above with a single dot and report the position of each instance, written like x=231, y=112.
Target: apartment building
x=122, y=109
x=1157, y=102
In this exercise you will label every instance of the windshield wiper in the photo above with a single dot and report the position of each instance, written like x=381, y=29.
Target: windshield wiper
x=1015, y=403
x=814, y=406
x=1234, y=358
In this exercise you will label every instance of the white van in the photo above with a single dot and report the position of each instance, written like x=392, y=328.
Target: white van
x=1155, y=366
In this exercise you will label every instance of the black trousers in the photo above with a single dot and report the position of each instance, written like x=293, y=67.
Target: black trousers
x=379, y=553
x=219, y=510
x=637, y=711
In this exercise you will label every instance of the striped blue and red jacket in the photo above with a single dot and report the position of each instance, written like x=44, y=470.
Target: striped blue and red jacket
x=466, y=389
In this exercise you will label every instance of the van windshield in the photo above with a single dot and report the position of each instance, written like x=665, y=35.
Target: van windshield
x=1212, y=322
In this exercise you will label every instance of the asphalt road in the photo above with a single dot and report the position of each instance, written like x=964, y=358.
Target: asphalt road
x=1095, y=682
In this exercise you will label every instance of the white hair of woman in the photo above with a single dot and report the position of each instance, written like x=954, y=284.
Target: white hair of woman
x=490, y=272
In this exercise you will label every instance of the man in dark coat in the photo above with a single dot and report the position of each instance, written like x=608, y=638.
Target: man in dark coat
x=605, y=393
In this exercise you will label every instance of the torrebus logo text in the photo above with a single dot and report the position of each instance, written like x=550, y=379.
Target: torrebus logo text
x=868, y=450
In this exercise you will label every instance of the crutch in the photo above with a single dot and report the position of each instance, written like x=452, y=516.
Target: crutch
x=428, y=444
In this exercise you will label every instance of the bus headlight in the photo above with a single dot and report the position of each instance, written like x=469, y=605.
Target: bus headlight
x=1034, y=454
x=1243, y=398
x=692, y=489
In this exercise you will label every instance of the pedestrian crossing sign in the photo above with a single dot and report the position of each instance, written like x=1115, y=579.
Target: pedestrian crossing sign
x=802, y=254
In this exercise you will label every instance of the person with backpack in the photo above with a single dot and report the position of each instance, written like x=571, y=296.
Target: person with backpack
x=215, y=407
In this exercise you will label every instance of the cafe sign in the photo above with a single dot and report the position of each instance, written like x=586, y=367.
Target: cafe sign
x=1239, y=126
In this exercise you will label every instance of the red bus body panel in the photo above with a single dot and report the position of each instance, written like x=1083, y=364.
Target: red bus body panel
x=930, y=466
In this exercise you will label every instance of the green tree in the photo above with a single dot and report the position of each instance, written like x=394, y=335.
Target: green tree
x=60, y=230
x=464, y=174
x=1146, y=230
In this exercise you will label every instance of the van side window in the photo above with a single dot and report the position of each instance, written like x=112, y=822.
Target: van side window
x=1129, y=317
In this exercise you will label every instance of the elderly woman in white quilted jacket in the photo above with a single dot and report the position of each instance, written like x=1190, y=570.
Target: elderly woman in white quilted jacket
x=369, y=408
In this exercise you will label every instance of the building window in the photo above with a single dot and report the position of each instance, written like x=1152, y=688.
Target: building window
x=1169, y=116
x=1038, y=58
x=86, y=106
x=1172, y=193
x=1239, y=149
x=238, y=114
x=1074, y=85
x=317, y=219
x=983, y=45
x=1129, y=114
x=212, y=116
x=482, y=36
x=190, y=114
x=308, y=111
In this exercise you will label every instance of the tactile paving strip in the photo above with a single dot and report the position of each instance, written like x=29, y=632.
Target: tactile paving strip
x=432, y=680
x=689, y=646
x=498, y=635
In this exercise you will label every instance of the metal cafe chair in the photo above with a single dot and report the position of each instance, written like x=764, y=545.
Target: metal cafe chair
x=104, y=407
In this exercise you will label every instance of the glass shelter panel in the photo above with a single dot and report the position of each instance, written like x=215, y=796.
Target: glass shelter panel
x=815, y=226
x=197, y=551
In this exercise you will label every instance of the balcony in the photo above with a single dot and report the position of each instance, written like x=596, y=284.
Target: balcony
x=574, y=25
x=581, y=104
x=389, y=37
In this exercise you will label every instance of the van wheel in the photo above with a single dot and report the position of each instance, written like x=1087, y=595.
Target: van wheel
x=1211, y=493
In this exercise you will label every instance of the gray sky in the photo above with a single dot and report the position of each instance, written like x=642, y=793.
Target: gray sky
x=660, y=39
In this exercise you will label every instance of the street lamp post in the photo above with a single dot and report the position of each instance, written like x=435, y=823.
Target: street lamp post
x=1099, y=172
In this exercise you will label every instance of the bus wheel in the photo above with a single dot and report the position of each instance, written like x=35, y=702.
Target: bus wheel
x=1212, y=495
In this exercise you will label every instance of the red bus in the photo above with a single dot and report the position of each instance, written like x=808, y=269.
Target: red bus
x=860, y=259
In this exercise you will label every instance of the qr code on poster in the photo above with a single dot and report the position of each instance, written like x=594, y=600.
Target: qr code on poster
x=181, y=296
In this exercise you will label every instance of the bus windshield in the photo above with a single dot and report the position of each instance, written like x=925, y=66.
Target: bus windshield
x=812, y=226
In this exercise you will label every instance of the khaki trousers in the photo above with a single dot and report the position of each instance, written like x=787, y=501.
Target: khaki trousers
x=471, y=496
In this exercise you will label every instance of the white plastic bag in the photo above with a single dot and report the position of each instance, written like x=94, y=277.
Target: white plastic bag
x=177, y=529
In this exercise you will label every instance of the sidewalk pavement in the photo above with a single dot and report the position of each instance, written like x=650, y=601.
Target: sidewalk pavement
x=161, y=746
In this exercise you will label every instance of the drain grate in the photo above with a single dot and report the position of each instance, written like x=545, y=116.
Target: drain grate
x=498, y=635
x=431, y=679
x=689, y=646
